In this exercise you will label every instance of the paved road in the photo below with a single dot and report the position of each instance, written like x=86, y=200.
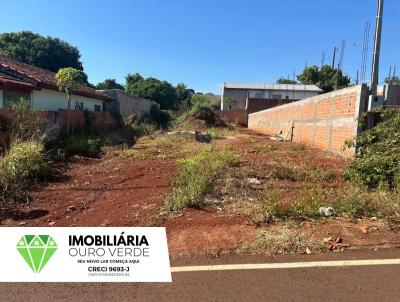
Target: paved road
x=352, y=283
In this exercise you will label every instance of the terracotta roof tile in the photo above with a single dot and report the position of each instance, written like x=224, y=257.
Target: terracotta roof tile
x=45, y=78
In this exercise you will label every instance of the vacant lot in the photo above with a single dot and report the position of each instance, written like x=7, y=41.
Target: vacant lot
x=265, y=200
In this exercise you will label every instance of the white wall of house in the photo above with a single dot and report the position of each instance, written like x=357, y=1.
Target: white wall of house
x=284, y=94
x=240, y=95
x=52, y=100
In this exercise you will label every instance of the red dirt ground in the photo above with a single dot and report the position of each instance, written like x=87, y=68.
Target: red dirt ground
x=117, y=191
x=129, y=192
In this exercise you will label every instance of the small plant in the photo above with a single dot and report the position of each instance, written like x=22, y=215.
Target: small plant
x=284, y=172
x=308, y=203
x=26, y=123
x=80, y=143
x=195, y=177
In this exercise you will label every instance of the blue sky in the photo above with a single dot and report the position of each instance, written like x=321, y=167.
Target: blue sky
x=206, y=42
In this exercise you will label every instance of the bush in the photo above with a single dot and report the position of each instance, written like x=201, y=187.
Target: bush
x=195, y=177
x=202, y=109
x=160, y=118
x=23, y=164
x=135, y=126
x=83, y=144
x=376, y=162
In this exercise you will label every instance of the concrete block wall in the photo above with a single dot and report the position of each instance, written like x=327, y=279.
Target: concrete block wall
x=324, y=122
x=126, y=104
x=255, y=105
x=392, y=95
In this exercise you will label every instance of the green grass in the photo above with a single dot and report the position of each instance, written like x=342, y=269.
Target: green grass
x=350, y=202
x=195, y=176
x=23, y=164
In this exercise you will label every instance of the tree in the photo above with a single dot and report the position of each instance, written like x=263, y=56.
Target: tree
x=44, y=52
x=324, y=78
x=109, y=84
x=393, y=80
x=161, y=92
x=184, y=95
x=68, y=81
x=230, y=101
x=285, y=81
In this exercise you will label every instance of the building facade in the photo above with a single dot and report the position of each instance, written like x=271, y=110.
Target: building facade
x=239, y=96
x=38, y=88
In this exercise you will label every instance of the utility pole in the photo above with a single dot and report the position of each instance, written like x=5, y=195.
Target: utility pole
x=334, y=57
x=377, y=49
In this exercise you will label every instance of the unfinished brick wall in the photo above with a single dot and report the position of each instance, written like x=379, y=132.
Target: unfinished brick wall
x=324, y=122
x=238, y=116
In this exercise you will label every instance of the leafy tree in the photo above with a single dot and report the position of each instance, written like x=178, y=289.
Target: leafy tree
x=68, y=81
x=162, y=92
x=44, y=52
x=182, y=92
x=184, y=96
x=285, y=81
x=324, y=78
x=109, y=84
x=393, y=80
x=230, y=101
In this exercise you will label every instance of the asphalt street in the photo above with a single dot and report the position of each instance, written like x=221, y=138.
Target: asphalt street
x=257, y=278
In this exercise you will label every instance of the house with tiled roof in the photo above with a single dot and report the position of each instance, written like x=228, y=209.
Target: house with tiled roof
x=19, y=81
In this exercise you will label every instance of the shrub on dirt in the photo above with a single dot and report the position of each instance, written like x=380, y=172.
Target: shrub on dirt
x=261, y=211
x=160, y=118
x=83, y=144
x=195, y=176
x=376, y=162
x=202, y=109
x=23, y=164
x=305, y=172
x=285, y=240
x=135, y=126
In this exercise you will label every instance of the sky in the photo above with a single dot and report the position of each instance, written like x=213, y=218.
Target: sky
x=204, y=43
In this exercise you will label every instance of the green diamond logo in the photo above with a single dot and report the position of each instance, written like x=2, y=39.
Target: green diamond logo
x=36, y=250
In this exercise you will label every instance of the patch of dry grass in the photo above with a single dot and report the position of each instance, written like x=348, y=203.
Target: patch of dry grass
x=283, y=240
x=161, y=146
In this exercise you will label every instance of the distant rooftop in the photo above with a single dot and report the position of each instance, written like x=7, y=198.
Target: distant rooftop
x=268, y=86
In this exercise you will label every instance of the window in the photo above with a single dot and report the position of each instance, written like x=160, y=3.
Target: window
x=97, y=108
x=277, y=96
x=14, y=98
x=254, y=94
x=79, y=106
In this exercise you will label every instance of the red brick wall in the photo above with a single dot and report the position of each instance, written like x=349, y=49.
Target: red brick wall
x=324, y=122
x=77, y=119
x=237, y=116
x=101, y=120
